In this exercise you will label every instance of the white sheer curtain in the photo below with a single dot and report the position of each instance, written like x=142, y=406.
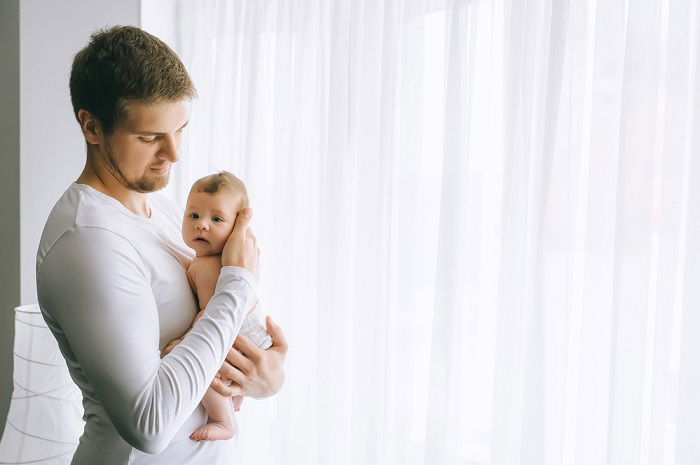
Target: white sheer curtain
x=478, y=221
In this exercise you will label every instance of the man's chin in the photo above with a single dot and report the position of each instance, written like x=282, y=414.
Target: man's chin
x=161, y=182
x=150, y=184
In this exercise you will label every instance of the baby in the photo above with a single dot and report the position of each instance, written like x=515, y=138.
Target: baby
x=212, y=206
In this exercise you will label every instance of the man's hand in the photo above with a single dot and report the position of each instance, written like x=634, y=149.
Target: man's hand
x=240, y=249
x=255, y=372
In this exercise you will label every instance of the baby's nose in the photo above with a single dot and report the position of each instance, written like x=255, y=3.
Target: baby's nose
x=200, y=225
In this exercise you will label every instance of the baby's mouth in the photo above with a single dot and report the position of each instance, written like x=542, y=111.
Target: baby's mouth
x=201, y=239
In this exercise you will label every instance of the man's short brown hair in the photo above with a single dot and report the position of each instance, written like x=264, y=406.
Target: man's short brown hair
x=222, y=181
x=124, y=63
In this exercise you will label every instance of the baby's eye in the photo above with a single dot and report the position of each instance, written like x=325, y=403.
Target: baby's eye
x=217, y=219
x=194, y=216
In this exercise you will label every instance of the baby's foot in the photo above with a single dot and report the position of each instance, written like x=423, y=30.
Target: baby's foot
x=213, y=431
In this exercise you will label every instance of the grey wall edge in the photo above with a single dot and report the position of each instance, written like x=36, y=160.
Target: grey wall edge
x=9, y=192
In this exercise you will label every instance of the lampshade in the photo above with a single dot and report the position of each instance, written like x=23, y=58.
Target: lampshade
x=44, y=421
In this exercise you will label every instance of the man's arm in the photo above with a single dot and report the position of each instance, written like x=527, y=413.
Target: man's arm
x=95, y=285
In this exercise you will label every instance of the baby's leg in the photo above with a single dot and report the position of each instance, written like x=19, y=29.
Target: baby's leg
x=219, y=410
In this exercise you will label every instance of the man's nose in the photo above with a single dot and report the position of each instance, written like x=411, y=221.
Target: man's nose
x=168, y=149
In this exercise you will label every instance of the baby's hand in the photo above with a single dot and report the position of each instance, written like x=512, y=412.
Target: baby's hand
x=171, y=345
x=237, y=401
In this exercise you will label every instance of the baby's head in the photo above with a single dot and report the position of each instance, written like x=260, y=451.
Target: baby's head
x=212, y=207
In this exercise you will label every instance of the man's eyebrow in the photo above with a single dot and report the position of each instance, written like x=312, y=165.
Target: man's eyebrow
x=151, y=133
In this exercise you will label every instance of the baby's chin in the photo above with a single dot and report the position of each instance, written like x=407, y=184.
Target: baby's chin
x=203, y=249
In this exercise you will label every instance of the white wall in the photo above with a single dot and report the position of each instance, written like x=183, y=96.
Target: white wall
x=51, y=150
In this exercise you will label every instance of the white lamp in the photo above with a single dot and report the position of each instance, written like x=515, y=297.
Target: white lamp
x=45, y=417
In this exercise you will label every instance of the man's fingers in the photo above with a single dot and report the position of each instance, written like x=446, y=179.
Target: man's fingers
x=238, y=362
x=278, y=339
x=264, y=376
x=245, y=345
x=239, y=249
x=228, y=391
x=250, y=236
x=235, y=390
x=232, y=373
x=242, y=220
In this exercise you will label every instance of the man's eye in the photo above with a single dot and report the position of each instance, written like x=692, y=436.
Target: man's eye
x=148, y=140
x=217, y=219
x=194, y=216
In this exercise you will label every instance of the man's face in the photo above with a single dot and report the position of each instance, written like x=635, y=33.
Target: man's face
x=144, y=144
x=209, y=219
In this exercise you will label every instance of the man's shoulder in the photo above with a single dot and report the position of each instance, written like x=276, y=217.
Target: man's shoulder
x=77, y=211
x=81, y=205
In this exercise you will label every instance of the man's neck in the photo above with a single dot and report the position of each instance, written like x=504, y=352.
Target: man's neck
x=100, y=180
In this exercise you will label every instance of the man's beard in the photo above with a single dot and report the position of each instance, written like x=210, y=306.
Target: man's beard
x=144, y=184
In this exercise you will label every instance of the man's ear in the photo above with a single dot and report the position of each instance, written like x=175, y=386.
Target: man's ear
x=90, y=126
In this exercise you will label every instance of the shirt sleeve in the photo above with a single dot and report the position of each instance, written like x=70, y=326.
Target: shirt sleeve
x=96, y=287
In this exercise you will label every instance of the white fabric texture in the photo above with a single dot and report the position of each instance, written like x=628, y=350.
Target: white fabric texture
x=112, y=289
x=476, y=220
x=254, y=329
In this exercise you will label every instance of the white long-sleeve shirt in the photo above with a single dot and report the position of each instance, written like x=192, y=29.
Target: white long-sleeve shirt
x=113, y=290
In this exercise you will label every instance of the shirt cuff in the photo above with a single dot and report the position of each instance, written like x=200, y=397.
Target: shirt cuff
x=237, y=272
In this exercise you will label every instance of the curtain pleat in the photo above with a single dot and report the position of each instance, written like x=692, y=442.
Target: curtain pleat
x=477, y=221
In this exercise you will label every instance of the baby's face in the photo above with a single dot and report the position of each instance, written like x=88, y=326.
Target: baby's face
x=209, y=220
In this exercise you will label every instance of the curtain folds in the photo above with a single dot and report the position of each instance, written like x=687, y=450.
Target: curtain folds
x=476, y=219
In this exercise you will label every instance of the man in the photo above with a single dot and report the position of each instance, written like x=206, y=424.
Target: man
x=111, y=270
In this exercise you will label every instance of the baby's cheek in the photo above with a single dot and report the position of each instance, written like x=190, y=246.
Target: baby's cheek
x=220, y=242
x=226, y=233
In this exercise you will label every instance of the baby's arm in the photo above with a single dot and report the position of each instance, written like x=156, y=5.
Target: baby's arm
x=203, y=273
x=200, y=274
